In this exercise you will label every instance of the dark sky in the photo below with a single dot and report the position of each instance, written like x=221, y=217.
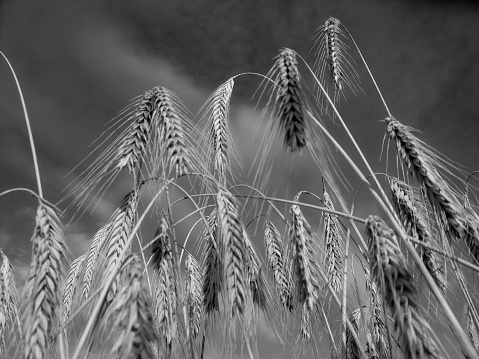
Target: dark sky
x=80, y=62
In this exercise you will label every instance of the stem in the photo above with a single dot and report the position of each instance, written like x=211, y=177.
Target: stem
x=369, y=71
x=30, y=135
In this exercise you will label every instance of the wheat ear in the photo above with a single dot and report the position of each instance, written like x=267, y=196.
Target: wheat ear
x=8, y=300
x=133, y=323
x=42, y=289
x=404, y=204
x=397, y=288
x=420, y=164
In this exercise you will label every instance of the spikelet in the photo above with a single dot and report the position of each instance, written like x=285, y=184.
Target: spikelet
x=194, y=295
x=165, y=298
x=305, y=269
x=278, y=264
x=333, y=63
x=416, y=225
x=42, y=288
x=397, y=288
x=133, y=324
x=332, y=237
x=9, y=317
x=420, y=164
x=119, y=228
x=230, y=237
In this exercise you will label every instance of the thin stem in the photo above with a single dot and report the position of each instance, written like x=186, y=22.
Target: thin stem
x=30, y=135
x=369, y=71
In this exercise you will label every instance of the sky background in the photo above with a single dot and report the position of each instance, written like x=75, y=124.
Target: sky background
x=79, y=63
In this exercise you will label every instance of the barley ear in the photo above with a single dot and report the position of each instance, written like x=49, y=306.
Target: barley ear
x=73, y=274
x=278, y=263
x=165, y=298
x=332, y=237
x=133, y=319
x=333, y=63
x=471, y=329
x=396, y=286
x=404, y=202
x=194, y=295
x=212, y=264
x=9, y=318
x=305, y=267
x=419, y=161
x=230, y=237
x=119, y=228
x=289, y=103
x=42, y=289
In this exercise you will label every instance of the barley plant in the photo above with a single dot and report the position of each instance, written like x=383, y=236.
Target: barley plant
x=159, y=281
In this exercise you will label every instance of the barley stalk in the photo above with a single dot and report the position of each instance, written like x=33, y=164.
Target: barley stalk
x=398, y=291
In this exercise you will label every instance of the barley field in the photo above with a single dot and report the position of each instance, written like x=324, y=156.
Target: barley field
x=206, y=253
